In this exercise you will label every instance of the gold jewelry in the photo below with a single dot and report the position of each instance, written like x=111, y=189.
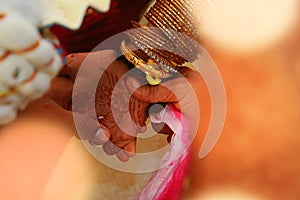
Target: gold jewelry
x=151, y=39
x=175, y=24
x=152, y=80
x=146, y=67
x=170, y=35
x=182, y=22
x=157, y=58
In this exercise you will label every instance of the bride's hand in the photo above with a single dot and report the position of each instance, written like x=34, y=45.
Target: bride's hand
x=184, y=92
x=122, y=115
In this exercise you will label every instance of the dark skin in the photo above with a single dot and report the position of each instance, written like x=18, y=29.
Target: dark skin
x=117, y=117
x=114, y=111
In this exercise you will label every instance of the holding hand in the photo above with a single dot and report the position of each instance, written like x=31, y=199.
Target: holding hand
x=122, y=116
x=183, y=92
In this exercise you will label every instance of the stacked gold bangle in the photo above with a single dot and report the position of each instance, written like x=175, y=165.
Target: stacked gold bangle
x=175, y=23
x=148, y=67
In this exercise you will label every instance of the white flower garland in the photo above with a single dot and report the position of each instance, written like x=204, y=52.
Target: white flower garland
x=28, y=62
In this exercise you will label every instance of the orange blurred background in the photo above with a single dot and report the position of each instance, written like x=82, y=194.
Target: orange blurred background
x=257, y=156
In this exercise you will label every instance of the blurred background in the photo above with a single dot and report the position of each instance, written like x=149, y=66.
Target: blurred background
x=256, y=46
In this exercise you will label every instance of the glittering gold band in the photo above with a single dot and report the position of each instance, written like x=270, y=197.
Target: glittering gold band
x=148, y=68
x=175, y=32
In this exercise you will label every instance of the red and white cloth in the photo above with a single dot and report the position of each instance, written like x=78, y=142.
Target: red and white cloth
x=166, y=183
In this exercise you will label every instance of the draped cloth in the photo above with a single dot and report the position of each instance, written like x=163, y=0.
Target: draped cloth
x=166, y=183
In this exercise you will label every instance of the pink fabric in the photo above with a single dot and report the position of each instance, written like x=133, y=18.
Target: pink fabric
x=166, y=183
x=173, y=188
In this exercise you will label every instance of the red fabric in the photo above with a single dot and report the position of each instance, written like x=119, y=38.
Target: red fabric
x=173, y=189
x=97, y=27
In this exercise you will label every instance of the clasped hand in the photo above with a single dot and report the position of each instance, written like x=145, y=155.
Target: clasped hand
x=121, y=105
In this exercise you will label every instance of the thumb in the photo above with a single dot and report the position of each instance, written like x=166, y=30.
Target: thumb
x=90, y=129
x=170, y=91
x=61, y=92
x=76, y=59
x=95, y=58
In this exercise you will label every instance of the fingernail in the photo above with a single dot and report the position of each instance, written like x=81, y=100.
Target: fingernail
x=130, y=154
x=122, y=156
x=108, y=149
x=134, y=83
x=100, y=137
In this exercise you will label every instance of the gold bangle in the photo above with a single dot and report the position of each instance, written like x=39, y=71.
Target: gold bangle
x=146, y=67
x=145, y=37
x=165, y=18
x=169, y=25
x=141, y=35
x=183, y=17
x=169, y=17
x=156, y=21
x=178, y=42
x=183, y=25
x=182, y=14
x=176, y=24
x=157, y=57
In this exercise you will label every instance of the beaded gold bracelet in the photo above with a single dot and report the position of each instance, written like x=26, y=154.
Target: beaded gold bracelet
x=147, y=67
x=157, y=57
x=155, y=39
x=147, y=44
x=175, y=25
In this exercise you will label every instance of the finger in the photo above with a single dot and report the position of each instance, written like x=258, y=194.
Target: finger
x=69, y=72
x=101, y=136
x=75, y=59
x=169, y=138
x=168, y=92
x=90, y=67
x=61, y=92
x=138, y=113
x=96, y=58
x=121, y=138
x=122, y=156
x=110, y=149
x=130, y=149
x=162, y=128
x=73, y=63
x=89, y=128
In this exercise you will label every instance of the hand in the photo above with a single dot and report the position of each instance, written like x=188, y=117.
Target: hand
x=183, y=92
x=122, y=115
